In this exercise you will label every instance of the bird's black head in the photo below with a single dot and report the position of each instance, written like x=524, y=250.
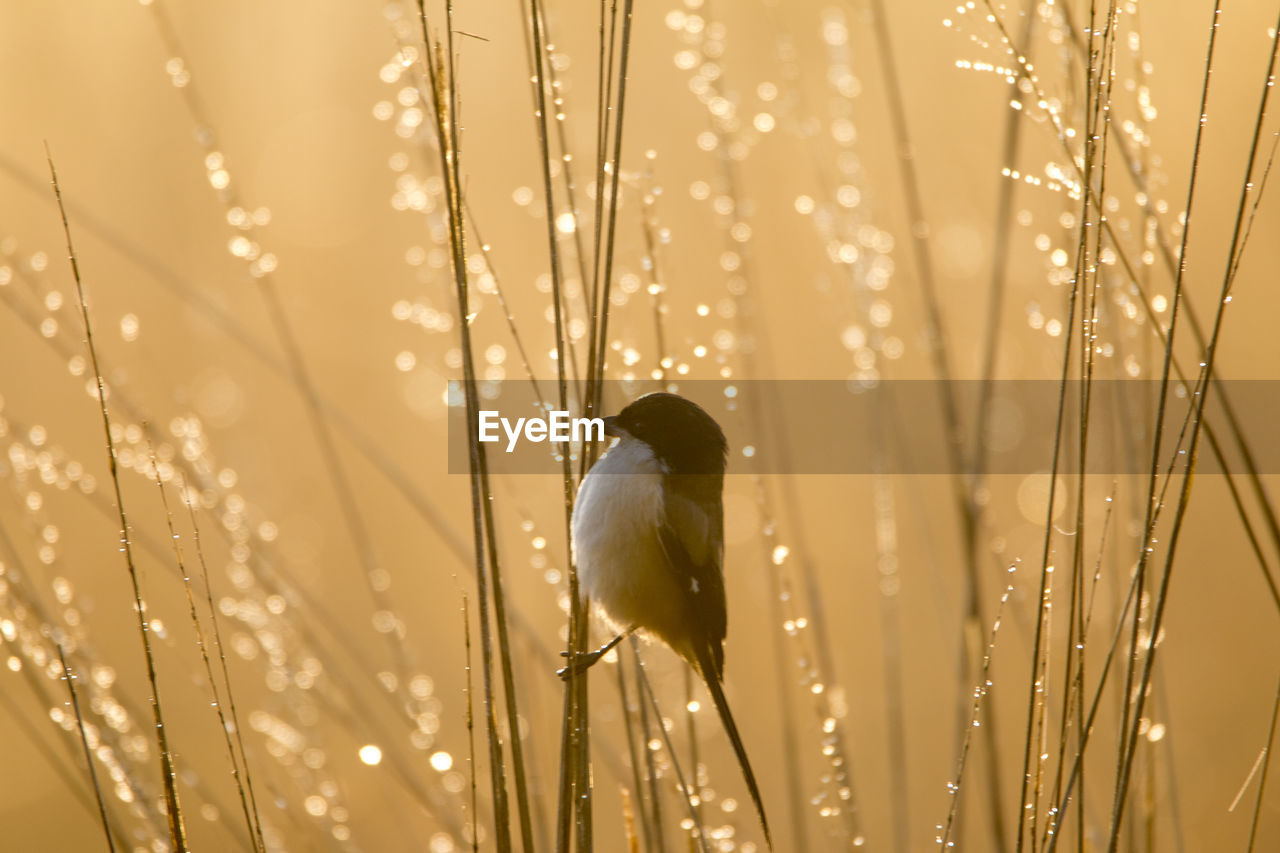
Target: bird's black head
x=681, y=434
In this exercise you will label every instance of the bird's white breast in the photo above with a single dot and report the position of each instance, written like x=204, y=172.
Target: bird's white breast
x=616, y=544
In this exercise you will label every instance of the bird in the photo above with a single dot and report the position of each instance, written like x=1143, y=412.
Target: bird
x=648, y=542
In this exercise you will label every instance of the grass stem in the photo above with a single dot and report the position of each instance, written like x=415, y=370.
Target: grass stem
x=173, y=810
x=88, y=753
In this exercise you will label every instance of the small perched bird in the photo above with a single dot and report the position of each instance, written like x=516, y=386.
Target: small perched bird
x=648, y=538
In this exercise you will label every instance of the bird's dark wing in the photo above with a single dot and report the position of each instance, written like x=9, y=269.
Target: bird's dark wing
x=692, y=536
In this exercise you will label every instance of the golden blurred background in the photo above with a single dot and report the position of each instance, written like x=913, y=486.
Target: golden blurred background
x=253, y=190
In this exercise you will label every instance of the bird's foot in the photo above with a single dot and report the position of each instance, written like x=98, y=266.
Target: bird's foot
x=580, y=663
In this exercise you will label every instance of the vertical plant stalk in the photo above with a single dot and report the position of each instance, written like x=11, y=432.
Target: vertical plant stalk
x=886, y=536
x=1232, y=423
x=239, y=769
x=629, y=822
x=444, y=97
x=1074, y=656
x=1148, y=529
x=1035, y=688
x=694, y=791
x=630, y=718
x=770, y=427
x=33, y=673
x=999, y=274
x=604, y=286
x=359, y=716
x=173, y=809
x=1098, y=104
x=538, y=69
x=56, y=763
x=222, y=660
x=327, y=421
x=1051, y=835
x=595, y=306
x=471, y=726
x=657, y=282
x=296, y=370
x=995, y=303
x=1266, y=765
x=1075, y=693
x=486, y=253
x=699, y=828
x=651, y=768
x=936, y=339
x=88, y=753
x=1088, y=195
x=575, y=785
x=576, y=770
x=220, y=317
x=796, y=800
x=1202, y=396
x=980, y=691
x=1138, y=172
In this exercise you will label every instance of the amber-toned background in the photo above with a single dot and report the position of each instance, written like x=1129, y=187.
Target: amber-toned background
x=292, y=94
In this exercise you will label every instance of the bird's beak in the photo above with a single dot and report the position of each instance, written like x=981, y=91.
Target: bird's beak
x=611, y=427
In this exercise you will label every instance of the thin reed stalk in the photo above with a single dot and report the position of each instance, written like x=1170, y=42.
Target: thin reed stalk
x=486, y=252
x=891, y=631
x=1215, y=444
x=575, y=801
x=222, y=660
x=541, y=68
x=649, y=228
x=1074, y=646
x=239, y=764
x=1035, y=684
x=227, y=323
x=604, y=285
x=699, y=828
x=1138, y=173
x=783, y=674
x=1266, y=766
x=540, y=74
x=173, y=810
x=651, y=768
x=630, y=719
x=88, y=753
x=629, y=822
x=275, y=579
x=471, y=728
x=604, y=106
x=1184, y=499
x=980, y=691
x=300, y=375
x=1077, y=763
x=72, y=781
x=691, y=724
x=1009, y=147
x=1145, y=551
x=935, y=338
x=444, y=93
x=1075, y=692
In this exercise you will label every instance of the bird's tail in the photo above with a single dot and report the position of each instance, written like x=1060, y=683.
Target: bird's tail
x=711, y=677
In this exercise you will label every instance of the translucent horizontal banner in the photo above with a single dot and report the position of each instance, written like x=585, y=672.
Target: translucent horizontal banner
x=895, y=427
